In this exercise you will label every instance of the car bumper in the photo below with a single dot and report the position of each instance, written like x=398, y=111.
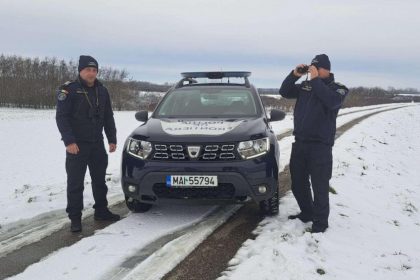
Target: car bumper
x=238, y=181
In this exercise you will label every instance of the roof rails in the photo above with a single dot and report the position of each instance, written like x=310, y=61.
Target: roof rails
x=190, y=77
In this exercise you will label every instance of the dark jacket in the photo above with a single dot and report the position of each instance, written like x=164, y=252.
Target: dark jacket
x=316, y=108
x=81, y=121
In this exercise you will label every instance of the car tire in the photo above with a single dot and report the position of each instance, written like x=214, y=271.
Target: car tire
x=270, y=207
x=136, y=206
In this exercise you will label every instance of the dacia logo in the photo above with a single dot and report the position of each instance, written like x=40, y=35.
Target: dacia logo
x=193, y=151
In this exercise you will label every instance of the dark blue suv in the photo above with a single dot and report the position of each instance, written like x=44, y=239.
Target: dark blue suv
x=205, y=142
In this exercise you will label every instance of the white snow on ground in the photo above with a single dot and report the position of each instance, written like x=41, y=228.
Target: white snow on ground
x=345, y=115
x=374, y=221
x=32, y=165
x=287, y=124
x=94, y=256
x=119, y=241
x=32, y=171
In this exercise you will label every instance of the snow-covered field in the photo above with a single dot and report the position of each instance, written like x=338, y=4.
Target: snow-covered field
x=32, y=178
x=374, y=222
x=32, y=172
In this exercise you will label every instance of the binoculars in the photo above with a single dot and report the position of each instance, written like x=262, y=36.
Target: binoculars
x=303, y=69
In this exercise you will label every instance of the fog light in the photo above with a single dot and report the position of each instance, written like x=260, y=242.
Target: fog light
x=131, y=188
x=262, y=189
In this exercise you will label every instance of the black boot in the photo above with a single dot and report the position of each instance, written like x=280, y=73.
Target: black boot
x=318, y=227
x=300, y=216
x=76, y=225
x=105, y=215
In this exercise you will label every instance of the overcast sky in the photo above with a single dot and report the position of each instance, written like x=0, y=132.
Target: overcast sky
x=370, y=43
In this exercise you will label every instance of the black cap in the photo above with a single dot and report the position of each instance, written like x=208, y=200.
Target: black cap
x=87, y=61
x=321, y=61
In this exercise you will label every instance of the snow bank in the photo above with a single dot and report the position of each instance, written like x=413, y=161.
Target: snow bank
x=374, y=221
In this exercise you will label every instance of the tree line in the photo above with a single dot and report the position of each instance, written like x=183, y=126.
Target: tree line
x=33, y=82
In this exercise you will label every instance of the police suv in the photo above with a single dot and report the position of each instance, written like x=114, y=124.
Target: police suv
x=206, y=142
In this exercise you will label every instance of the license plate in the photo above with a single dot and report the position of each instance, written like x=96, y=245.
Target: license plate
x=179, y=181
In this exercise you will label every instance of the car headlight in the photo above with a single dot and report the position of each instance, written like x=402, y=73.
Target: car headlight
x=254, y=148
x=138, y=148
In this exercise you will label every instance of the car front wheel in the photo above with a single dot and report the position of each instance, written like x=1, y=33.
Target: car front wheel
x=136, y=206
x=270, y=207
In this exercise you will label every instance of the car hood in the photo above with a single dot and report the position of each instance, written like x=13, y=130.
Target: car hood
x=201, y=130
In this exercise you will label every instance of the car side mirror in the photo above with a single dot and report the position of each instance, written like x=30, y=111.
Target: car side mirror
x=277, y=115
x=142, y=116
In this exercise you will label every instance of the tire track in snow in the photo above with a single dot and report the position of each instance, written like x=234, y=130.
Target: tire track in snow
x=35, y=241
x=211, y=257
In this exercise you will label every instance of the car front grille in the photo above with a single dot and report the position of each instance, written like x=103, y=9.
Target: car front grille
x=182, y=152
x=222, y=191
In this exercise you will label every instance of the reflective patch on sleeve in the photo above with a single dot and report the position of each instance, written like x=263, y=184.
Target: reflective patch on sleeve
x=341, y=91
x=62, y=95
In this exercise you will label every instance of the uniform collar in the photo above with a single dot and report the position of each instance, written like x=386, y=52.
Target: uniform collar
x=329, y=80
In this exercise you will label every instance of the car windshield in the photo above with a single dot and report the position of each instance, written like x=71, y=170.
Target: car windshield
x=208, y=102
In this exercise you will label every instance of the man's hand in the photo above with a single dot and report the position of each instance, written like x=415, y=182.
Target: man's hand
x=313, y=71
x=296, y=73
x=72, y=149
x=112, y=147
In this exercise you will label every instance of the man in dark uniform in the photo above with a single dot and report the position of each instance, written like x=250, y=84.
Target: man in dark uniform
x=315, y=114
x=83, y=111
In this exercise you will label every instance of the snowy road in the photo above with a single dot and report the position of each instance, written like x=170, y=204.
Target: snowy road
x=119, y=242
x=374, y=220
x=239, y=228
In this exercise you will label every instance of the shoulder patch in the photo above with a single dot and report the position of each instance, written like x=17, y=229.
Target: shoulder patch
x=62, y=94
x=341, y=91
